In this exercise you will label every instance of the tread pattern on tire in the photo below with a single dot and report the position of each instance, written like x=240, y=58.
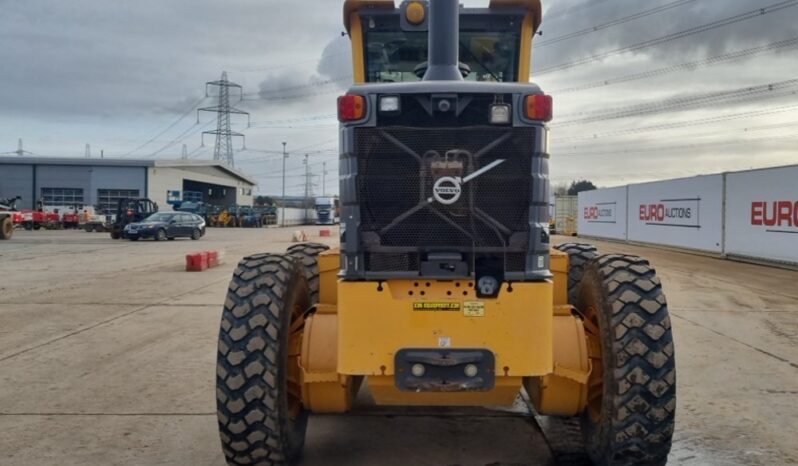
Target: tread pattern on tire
x=250, y=409
x=641, y=396
x=6, y=227
x=307, y=254
x=579, y=255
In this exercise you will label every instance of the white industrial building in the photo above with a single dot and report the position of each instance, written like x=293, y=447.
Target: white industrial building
x=101, y=182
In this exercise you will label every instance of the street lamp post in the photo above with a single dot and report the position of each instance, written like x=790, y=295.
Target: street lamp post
x=307, y=188
x=285, y=156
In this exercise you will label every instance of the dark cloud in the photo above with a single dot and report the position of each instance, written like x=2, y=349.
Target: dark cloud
x=572, y=16
x=336, y=60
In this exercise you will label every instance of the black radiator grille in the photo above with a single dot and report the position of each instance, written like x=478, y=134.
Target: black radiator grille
x=398, y=167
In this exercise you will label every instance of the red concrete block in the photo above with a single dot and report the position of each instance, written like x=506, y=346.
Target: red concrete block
x=325, y=232
x=196, y=262
x=213, y=259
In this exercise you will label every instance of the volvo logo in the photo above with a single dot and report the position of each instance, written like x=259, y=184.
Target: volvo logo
x=447, y=190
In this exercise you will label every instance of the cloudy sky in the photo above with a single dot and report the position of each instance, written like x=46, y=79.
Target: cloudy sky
x=643, y=90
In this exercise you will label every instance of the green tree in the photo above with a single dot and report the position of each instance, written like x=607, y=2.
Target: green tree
x=580, y=186
x=263, y=201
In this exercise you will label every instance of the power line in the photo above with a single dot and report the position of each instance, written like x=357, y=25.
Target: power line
x=674, y=36
x=263, y=124
x=778, y=89
x=293, y=96
x=311, y=84
x=635, y=150
x=584, y=5
x=195, y=151
x=615, y=22
x=330, y=157
x=190, y=131
x=165, y=130
x=681, y=124
x=750, y=129
x=290, y=64
x=688, y=66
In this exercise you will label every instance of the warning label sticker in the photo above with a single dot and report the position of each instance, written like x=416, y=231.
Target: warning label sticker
x=474, y=309
x=436, y=306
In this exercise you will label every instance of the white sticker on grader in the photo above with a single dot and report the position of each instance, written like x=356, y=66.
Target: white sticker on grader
x=474, y=309
x=444, y=342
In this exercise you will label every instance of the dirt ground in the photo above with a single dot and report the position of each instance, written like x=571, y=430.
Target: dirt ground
x=107, y=353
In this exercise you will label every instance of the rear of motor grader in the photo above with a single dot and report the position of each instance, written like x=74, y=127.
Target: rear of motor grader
x=445, y=290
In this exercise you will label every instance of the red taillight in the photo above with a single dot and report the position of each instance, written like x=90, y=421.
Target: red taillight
x=539, y=107
x=351, y=107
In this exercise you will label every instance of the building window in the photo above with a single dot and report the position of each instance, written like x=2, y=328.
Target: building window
x=62, y=196
x=108, y=199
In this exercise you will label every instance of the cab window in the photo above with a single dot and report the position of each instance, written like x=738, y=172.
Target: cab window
x=489, y=46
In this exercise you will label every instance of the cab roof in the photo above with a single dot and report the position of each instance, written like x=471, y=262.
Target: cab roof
x=352, y=6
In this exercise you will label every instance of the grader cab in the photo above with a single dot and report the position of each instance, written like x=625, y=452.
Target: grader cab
x=446, y=290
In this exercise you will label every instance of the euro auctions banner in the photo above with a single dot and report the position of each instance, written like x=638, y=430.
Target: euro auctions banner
x=685, y=213
x=762, y=214
x=602, y=213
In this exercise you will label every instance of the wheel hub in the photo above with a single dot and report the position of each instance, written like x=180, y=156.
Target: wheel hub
x=595, y=383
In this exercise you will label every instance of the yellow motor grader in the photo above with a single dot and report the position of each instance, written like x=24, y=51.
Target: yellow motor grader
x=445, y=290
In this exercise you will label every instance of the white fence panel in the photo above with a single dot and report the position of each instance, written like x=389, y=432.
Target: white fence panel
x=295, y=216
x=685, y=213
x=602, y=213
x=762, y=214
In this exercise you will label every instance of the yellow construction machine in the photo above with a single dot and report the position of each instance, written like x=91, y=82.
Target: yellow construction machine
x=446, y=289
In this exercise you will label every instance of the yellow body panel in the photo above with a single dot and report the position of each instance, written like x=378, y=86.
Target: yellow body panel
x=378, y=319
x=324, y=390
x=358, y=58
x=525, y=60
x=357, y=328
x=559, y=267
x=329, y=265
x=564, y=392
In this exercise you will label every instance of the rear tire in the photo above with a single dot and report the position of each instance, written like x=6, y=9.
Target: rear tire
x=6, y=228
x=115, y=235
x=578, y=257
x=260, y=415
x=632, y=391
x=308, y=255
x=98, y=228
x=160, y=235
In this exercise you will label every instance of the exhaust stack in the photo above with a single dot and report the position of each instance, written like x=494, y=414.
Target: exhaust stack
x=444, y=41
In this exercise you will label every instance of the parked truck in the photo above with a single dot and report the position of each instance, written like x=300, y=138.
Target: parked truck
x=326, y=210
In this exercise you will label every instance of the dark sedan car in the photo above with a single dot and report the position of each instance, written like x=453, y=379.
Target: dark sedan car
x=167, y=225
